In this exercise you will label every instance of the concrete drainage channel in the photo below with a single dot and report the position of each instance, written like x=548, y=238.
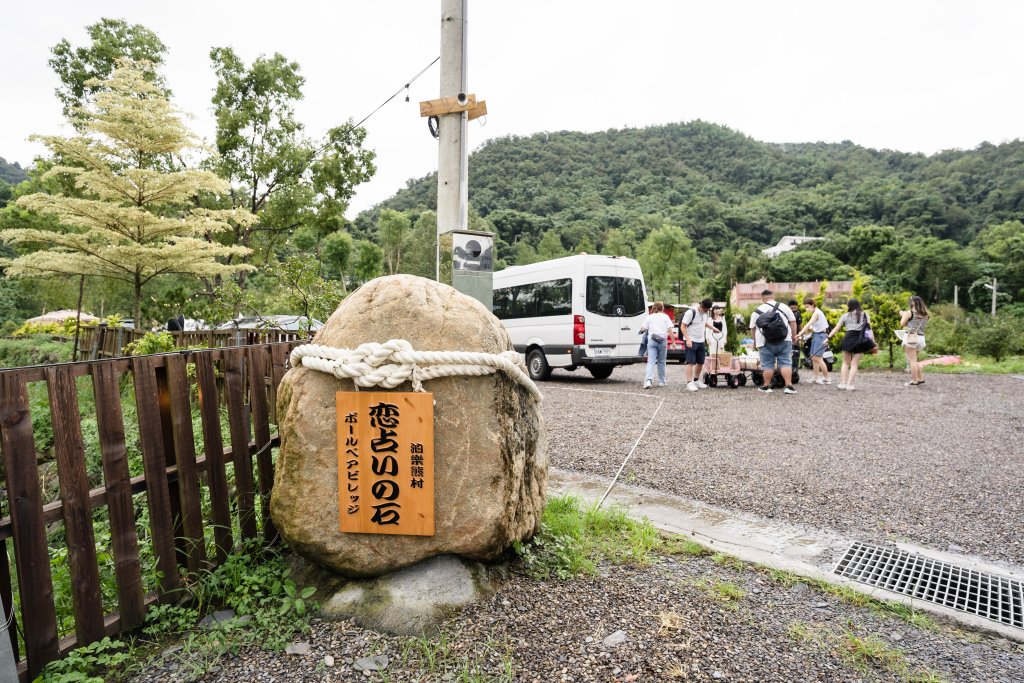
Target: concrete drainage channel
x=963, y=588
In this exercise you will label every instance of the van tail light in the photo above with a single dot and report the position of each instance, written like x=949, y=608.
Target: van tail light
x=579, y=330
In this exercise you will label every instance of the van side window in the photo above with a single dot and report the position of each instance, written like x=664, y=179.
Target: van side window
x=537, y=299
x=605, y=293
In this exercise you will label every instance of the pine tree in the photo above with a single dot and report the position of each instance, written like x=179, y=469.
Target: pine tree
x=135, y=218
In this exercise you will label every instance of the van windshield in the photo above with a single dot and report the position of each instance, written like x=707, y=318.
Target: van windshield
x=608, y=295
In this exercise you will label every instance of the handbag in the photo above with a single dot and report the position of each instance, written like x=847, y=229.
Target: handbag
x=658, y=337
x=912, y=339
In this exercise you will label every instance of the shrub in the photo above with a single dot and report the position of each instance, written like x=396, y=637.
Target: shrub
x=996, y=337
x=34, y=350
x=153, y=342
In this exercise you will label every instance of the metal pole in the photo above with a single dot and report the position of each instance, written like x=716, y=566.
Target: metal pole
x=452, y=155
x=956, y=296
x=994, y=284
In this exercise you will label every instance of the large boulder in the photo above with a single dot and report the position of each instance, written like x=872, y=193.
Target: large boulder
x=490, y=451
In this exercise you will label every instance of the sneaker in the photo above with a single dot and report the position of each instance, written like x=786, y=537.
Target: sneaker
x=692, y=386
x=701, y=385
x=647, y=384
x=789, y=390
x=827, y=380
x=842, y=386
x=765, y=390
x=661, y=384
x=849, y=387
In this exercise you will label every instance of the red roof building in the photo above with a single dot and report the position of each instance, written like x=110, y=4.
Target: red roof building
x=746, y=294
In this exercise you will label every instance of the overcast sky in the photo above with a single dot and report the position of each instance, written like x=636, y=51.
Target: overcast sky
x=913, y=76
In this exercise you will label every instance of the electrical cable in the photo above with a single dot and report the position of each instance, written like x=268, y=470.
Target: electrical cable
x=398, y=92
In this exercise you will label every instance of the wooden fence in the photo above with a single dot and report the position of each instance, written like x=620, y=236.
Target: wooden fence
x=239, y=381
x=101, y=341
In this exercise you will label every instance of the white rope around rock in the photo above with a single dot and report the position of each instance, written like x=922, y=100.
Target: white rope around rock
x=394, y=362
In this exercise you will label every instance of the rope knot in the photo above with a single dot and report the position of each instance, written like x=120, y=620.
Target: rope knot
x=395, y=361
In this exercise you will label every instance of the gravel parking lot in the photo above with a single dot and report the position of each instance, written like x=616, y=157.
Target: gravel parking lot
x=938, y=465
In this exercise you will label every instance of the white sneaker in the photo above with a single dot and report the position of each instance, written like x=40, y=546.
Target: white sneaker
x=661, y=384
x=849, y=387
x=765, y=390
x=701, y=385
x=789, y=390
x=692, y=386
x=647, y=384
x=820, y=380
x=841, y=386
x=827, y=380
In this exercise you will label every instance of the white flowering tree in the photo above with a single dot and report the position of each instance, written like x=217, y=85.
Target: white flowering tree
x=134, y=217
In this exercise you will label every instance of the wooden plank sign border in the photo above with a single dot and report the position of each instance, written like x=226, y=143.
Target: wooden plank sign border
x=386, y=462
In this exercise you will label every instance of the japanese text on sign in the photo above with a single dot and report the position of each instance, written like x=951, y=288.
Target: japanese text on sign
x=385, y=462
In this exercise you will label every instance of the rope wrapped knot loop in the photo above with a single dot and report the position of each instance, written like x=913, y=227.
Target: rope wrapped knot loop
x=395, y=362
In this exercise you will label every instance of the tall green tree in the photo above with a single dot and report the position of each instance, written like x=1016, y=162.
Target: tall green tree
x=1003, y=245
x=131, y=219
x=421, y=251
x=336, y=250
x=393, y=233
x=367, y=261
x=284, y=178
x=926, y=266
x=82, y=70
x=669, y=261
x=550, y=246
x=619, y=242
x=805, y=266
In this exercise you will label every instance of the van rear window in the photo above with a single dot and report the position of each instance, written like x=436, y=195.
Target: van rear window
x=615, y=296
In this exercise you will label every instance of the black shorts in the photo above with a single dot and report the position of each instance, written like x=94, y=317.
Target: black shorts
x=695, y=354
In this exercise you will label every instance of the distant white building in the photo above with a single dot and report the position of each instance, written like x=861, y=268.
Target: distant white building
x=788, y=243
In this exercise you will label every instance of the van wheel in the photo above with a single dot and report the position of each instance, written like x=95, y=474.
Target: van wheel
x=600, y=371
x=537, y=365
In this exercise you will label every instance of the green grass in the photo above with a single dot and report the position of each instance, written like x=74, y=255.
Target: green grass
x=863, y=652
x=574, y=538
x=722, y=591
x=679, y=546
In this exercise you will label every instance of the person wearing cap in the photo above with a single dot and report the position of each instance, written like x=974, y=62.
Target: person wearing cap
x=693, y=326
x=772, y=353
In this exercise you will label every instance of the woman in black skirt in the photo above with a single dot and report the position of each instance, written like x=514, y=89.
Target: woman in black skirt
x=855, y=343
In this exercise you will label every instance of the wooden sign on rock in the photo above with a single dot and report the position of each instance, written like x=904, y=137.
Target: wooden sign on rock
x=386, y=462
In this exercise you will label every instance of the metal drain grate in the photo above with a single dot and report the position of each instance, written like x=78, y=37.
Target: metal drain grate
x=922, y=578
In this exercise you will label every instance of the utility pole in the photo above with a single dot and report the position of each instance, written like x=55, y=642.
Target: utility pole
x=956, y=296
x=453, y=153
x=994, y=287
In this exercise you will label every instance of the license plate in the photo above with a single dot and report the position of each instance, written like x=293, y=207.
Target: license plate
x=602, y=351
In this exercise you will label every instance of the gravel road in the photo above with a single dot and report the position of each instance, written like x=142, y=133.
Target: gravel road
x=939, y=465
x=666, y=622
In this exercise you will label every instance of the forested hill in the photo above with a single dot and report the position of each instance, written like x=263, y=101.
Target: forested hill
x=721, y=186
x=12, y=174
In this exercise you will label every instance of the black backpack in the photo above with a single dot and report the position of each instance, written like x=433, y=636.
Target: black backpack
x=772, y=325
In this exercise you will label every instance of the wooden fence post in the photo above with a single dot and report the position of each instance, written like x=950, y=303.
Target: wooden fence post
x=38, y=615
x=234, y=387
x=184, y=449
x=74, y=492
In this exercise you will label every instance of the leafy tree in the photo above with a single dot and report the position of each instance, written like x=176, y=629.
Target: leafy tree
x=884, y=310
x=926, y=265
x=133, y=222
x=337, y=251
x=866, y=240
x=584, y=246
x=806, y=266
x=369, y=261
x=304, y=290
x=277, y=174
x=1003, y=245
x=550, y=246
x=525, y=254
x=669, y=260
x=393, y=228
x=619, y=242
x=421, y=251
x=83, y=70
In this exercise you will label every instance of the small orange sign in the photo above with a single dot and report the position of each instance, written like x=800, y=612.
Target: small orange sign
x=386, y=462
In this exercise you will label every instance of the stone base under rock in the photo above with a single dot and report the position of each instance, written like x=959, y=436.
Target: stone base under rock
x=411, y=601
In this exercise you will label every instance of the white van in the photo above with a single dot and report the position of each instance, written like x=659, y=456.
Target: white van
x=577, y=311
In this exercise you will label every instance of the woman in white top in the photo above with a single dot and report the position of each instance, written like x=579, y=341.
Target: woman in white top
x=715, y=338
x=656, y=325
x=818, y=326
x=913, y=321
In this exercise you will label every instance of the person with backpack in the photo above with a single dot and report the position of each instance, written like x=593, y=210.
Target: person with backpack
x=693, y=326
x=774, y=328
x=856, y=342
x=818, y=327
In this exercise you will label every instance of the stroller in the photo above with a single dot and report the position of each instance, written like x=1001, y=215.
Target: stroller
x=808, y=364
